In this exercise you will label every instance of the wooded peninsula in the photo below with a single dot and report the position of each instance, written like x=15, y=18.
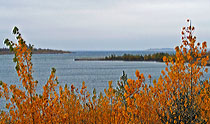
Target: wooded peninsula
x=129, y=57
x=157, y=57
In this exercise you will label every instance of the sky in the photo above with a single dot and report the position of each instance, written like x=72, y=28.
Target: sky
x=103, y=24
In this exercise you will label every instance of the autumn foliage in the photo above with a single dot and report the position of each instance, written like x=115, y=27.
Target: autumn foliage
x=180, y=95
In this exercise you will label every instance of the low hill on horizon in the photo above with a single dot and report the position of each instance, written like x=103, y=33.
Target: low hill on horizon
x=4, y=51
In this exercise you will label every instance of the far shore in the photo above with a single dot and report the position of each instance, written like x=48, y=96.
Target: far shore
x=5, y=51
x=129, y=57
x=104, y=59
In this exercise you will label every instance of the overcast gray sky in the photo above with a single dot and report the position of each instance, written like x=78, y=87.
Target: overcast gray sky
x=103, y=24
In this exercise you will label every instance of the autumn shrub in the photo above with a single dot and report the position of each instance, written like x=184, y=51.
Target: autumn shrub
x=179, y=95
x=181, y=83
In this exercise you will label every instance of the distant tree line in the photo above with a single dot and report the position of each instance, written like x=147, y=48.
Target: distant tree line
x=35, y=51
x=148, y=57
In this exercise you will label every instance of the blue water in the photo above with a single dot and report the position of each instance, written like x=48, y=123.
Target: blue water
x=96, y=74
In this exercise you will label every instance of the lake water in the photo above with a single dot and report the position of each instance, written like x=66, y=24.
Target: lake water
x=96, y=74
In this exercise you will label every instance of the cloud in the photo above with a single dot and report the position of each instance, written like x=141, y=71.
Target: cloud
x=121, y=24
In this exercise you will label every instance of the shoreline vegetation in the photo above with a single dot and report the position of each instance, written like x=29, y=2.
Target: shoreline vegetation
x=5, y=51
x=158, y=57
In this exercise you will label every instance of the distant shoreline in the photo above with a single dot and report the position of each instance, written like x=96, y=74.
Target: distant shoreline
x=129, y=57
x=157, y=57
x=102, y=59
x=6, y=51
